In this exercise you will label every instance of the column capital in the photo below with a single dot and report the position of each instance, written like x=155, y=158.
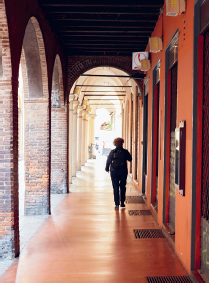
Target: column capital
x=93, y=116
x=77, y=90
x=84, y=112
x=75, y=105
x=80, y=109
x=71, y=97
x=87, y=114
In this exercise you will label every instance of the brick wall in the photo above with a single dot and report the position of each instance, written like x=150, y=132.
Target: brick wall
x=9, y=237
x=59, y=139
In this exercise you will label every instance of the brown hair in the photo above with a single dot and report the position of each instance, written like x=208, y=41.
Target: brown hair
x=118, y=142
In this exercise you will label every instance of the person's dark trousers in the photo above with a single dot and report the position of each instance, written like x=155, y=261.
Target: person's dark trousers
x=119, y=183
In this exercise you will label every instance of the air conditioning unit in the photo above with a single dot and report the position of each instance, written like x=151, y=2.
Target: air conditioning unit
x=145, y=65
x=155, y=44
x=175, y=7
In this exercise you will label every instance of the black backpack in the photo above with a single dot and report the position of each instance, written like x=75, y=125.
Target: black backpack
x=118, y=160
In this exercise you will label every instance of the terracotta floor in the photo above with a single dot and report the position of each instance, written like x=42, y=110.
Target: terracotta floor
x=86, y=240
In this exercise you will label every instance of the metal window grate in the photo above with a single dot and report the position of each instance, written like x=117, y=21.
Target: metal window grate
x=169, y=279
x=145, y=142
x=132, y=133
x=134, y=199
x=139, y=212
x=173, y=113
x=148, y=233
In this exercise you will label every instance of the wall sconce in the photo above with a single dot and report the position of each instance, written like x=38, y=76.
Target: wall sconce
x=145, y=65
x=175, y=7
x=155, y=44
x=77, y=90
x=84, y=102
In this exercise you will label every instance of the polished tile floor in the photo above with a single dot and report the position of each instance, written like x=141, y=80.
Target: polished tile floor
x=86, y=240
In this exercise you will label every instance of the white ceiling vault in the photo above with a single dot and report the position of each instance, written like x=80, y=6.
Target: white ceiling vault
x=104, y=88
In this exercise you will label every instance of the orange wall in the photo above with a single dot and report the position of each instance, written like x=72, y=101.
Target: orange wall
x=166, y=28
x=184, y=23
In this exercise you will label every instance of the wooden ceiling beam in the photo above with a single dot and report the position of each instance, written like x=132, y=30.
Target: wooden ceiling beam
x=102, y=44
x=69, y=52
x=105, y=49
x=150, y=13
x=101, y=11
x=107, y=3
x=71, y=32
x=114, y=41
x=109, y=25
x=109, y=35
x=91, y=26
x=129, y=20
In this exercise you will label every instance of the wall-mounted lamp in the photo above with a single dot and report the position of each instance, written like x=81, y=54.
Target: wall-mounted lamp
x=155, y=44
x=77, y=90
x=84, y=102
x=145, y=65
x=175, y=7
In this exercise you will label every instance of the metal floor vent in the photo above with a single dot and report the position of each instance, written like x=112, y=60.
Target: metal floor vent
x=169, y=279
x=139, y=212
x=148, y=233
x=134, y=199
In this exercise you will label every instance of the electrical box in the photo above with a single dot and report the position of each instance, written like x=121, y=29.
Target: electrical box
x=180, y=157
x=155, y=44
x=145, y=65
x=175, y=7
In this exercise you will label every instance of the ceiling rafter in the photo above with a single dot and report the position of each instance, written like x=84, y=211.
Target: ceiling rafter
x=92, y=28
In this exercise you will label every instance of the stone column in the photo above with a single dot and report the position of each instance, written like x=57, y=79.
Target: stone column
x=79, y=140
x=86, y=137
x=70, y=139
x=123, y=123
x=74, y=145
x=83, y=137
x=91, y=133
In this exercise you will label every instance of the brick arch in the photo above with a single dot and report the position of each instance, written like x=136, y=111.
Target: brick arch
x=36, y=124
x=58, y=184
x=42, y=54
x=59, y=80
x=79, y=65
x=24, y=74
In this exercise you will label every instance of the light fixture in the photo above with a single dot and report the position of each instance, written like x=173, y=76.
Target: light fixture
x=77, y=90
x=175, y=7
x=155, y=44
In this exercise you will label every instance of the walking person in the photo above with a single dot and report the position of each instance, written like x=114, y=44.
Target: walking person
x=117, y=165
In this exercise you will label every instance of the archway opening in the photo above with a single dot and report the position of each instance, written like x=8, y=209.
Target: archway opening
x=33, y=125
x=58, y=136
x=102, y=91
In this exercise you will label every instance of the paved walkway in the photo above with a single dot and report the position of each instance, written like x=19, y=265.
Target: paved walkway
x=86, y=240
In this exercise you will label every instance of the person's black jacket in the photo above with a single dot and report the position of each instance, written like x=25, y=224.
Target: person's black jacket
x=110, y=158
